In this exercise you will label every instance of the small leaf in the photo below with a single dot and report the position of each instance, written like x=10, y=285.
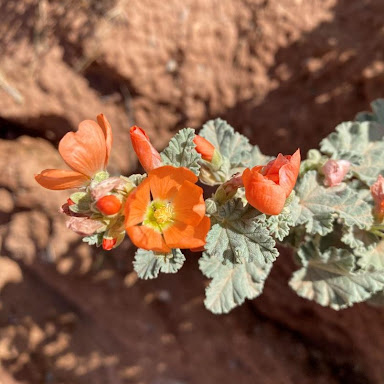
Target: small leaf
x=279, y=225
x=372, y=258
x=149, y=264
x=329, y=278
x=181, y=151
x=95, y=239
x=82, y=202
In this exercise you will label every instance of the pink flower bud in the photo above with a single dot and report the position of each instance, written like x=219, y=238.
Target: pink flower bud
x=106, y=186
x=335, y=171
x=83, y=225
x=377, y=191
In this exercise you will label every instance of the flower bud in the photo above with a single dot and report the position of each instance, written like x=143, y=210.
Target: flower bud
x=148, y=156
x=104, y=187
x=229, y=189
x=204, y=147
x=108, y=244
x=83, y=226
x=377, y=190
x=108, y=205
x=208, y=152
x=335, y=171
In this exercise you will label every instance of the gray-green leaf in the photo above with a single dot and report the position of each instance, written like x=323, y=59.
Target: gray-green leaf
x=319, y=206
x=181, y=151
x=149, y=264
x=238, y=256
x=361, y=143
x=231, y=285
x=329, y=279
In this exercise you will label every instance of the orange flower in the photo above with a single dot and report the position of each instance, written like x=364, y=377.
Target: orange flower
x=85, y=151
x=204, y=147
x=266, y=188
x=166, y=211
x=148, y=156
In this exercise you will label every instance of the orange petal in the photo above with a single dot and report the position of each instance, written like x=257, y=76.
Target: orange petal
x=263, y=194
x=85, y=150
x=107, y=130
x=57, y=179
x=189, y=204
x=136, y=204
x=147, y=238
x=148, y=156
x=167, y=180
x=273, y=167
x=204, y=147
x=181, y=235
x=288, y=173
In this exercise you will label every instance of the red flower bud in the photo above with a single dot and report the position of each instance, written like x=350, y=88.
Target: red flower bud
x=108, y=205
x=204, y=147
x=267, y=188
x=108, y=244
x=148, y=156
x=70, y=202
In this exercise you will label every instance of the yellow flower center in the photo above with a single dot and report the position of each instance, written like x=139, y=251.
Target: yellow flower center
x=159, y=215
x=163, y=214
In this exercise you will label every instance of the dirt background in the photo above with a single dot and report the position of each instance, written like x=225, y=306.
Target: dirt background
x=283, y=72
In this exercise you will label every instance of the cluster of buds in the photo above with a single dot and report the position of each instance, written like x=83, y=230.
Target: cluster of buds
x=97, y=210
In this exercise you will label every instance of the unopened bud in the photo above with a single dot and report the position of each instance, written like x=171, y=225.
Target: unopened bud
x=108, y=244
x=108, y=205
x=335, y=171
x=204, y=147
x=148, y=156
x=229, y=189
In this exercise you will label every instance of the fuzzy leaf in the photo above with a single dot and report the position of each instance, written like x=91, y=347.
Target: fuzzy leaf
x=149, y=264
x=230, y=144
x=377, y=114
x=238, y=256
x=257, y=158
x=359, y=240
x=329, y=278
x=372, y=258
x=361, y=143
x=181, y=151
x=95, y=239
x=232, y=284
x=319, y=206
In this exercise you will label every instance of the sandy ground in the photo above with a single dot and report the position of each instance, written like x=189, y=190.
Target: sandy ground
x=283, y=72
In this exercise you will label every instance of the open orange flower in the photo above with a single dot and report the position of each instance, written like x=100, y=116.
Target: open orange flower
x=86, y=152
x=266, y=188
x=166, y=211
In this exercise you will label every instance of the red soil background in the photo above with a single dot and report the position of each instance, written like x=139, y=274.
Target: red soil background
x=283, y=72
